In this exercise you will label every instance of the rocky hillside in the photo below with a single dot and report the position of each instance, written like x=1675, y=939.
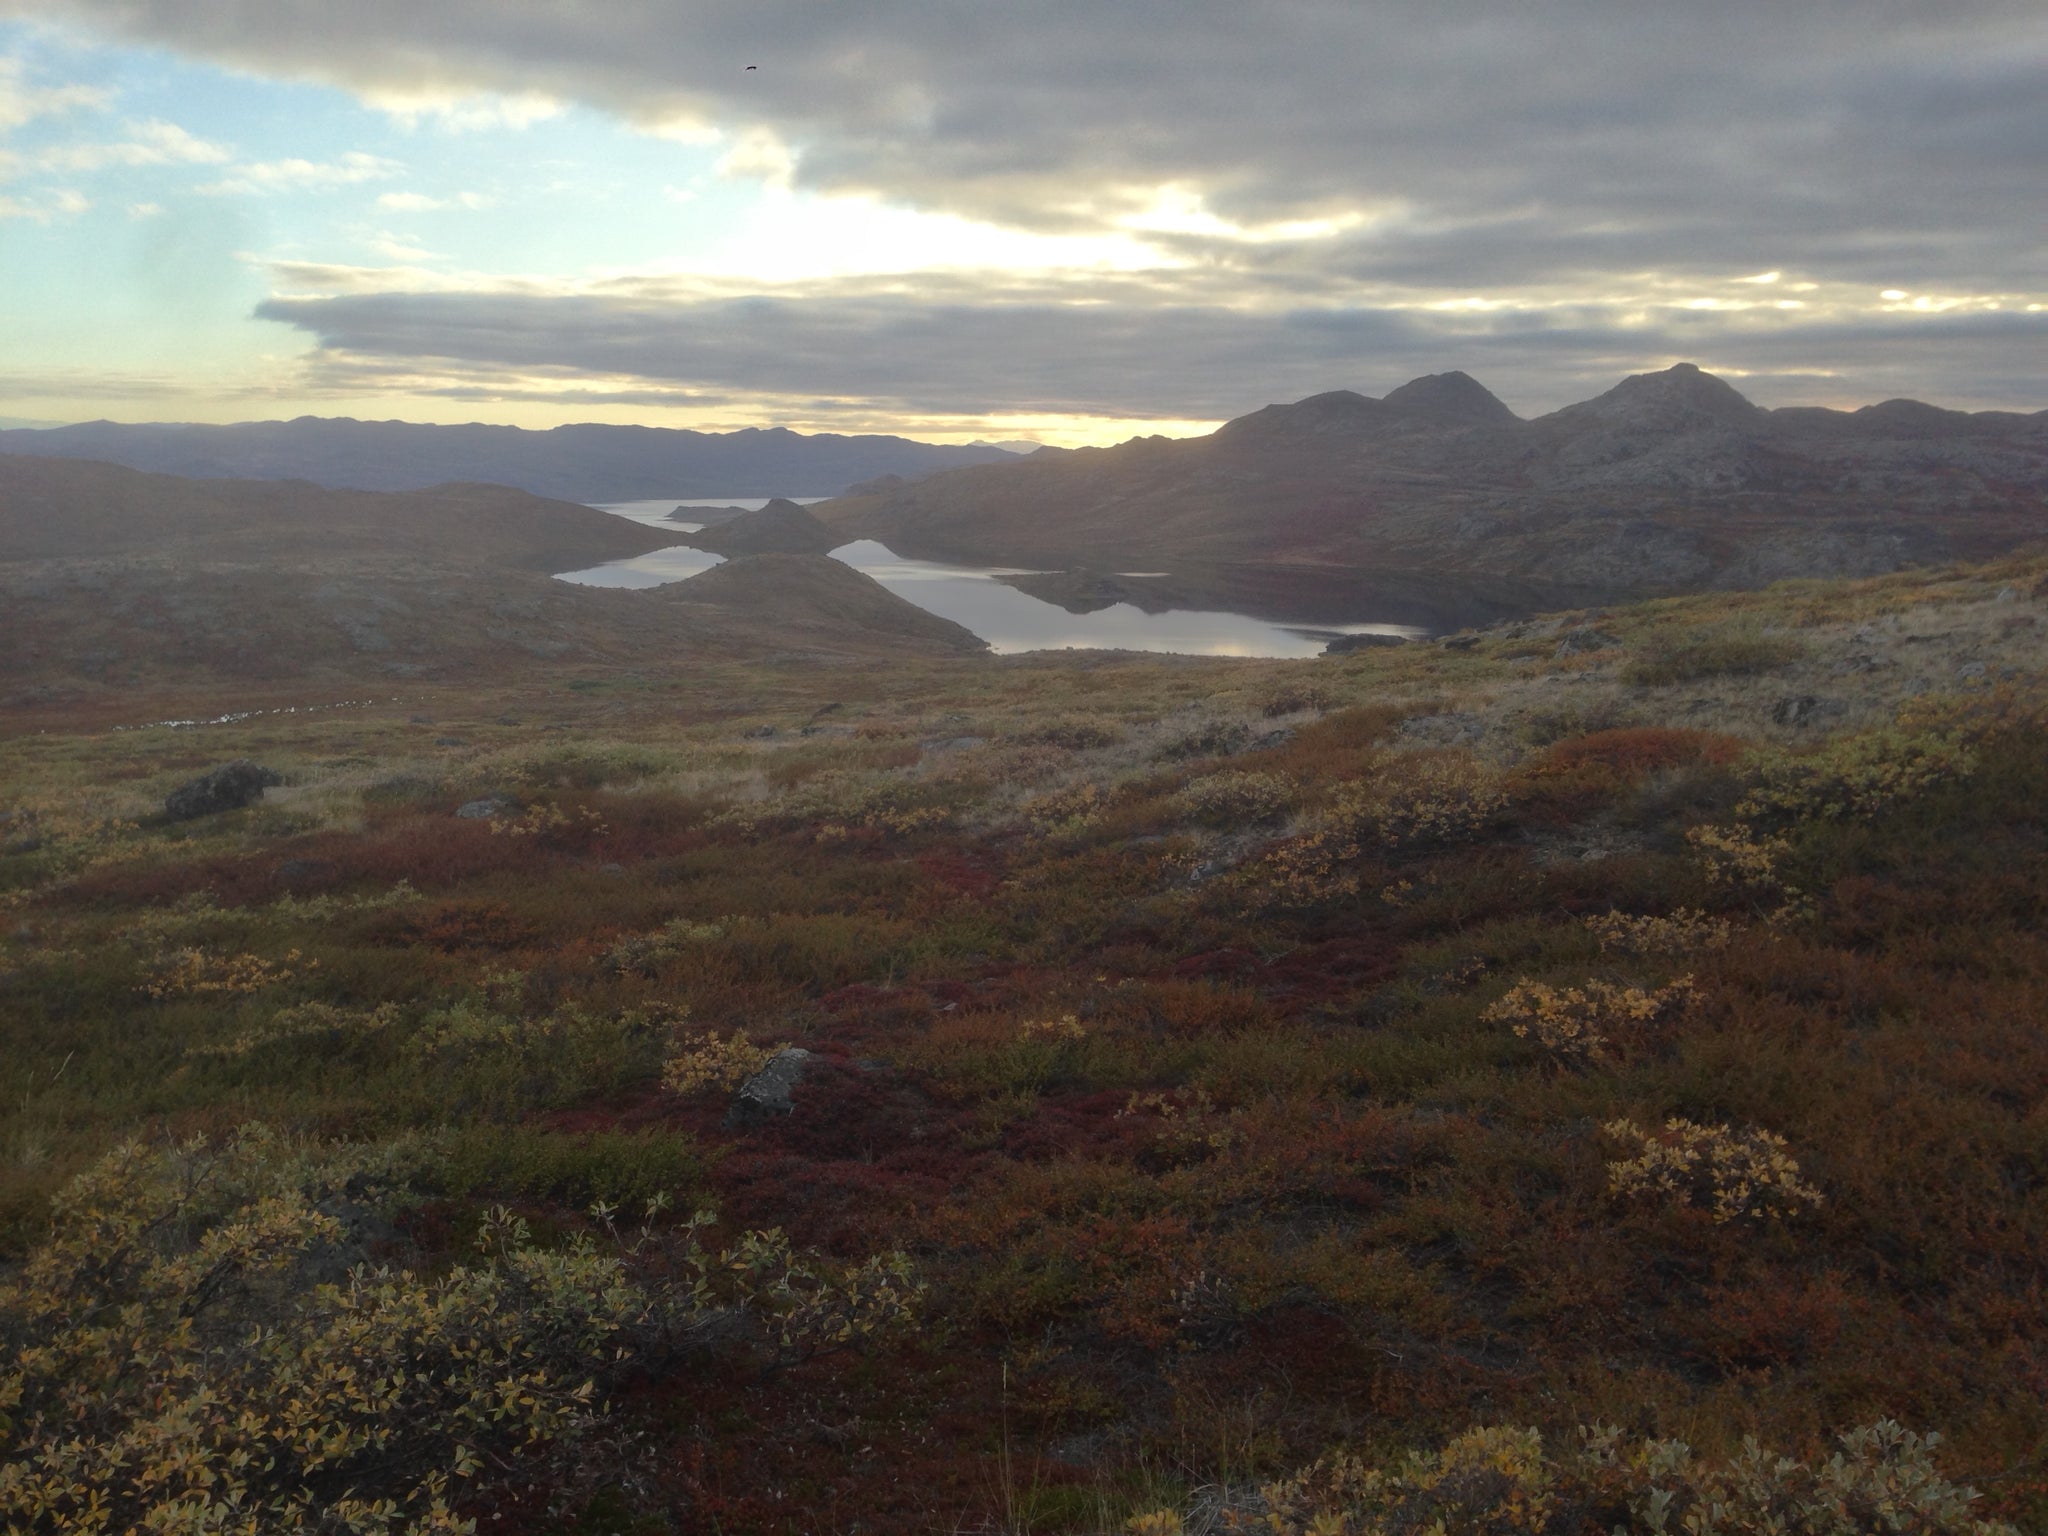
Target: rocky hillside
x=780, y=528
x=1668, y=481
x=578, y=463
x=116, y=584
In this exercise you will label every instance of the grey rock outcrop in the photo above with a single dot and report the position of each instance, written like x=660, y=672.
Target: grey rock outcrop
x=1584, y=640
x=766, y=1095
x=226, y=788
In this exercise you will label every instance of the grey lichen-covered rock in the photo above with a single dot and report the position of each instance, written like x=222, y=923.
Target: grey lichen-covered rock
x=1344, y=645
x=226, y=788
x=766, y=1094
x=486, y=808
x=1584, y=640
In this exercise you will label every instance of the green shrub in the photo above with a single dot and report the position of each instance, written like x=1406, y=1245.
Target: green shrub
x=1687, y=656
x=190, y=1351
x=1506, y=1482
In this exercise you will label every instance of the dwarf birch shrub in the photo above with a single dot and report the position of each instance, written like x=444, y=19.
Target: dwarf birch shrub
x=1578, y=1025
x=1234, y=799
x=705, y=1063
x=643, y=954
x=305, y=1023
x=1735, y=1175
x=198, y=973
x=1855, y=778
x=1684, y=932
x=173, y=1363
x=1883, y=1481
x=1429, y=803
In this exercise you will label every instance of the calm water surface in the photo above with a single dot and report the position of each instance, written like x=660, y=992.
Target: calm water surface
x=1009, y=620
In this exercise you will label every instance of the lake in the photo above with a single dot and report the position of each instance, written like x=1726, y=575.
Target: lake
x=974, y=597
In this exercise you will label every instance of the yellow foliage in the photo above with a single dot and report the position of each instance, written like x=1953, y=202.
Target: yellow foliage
x=1733, y=1174
x=185, y=1351
x=1683, y=932
x=1507, y=1482
x=1576, y=1024
x=1065, y=1027
x=707, y=1062
x=551, y=821
x=306, y=1021
x=196, y=973
x=1235, y=798
x=1428, y=803
x=1856, y=777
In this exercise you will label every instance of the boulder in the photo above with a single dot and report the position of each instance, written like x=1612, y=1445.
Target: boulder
x=1584, y=640
x=1344, y=644
x=486, y=808
x=226, y=788
x=766, y=1095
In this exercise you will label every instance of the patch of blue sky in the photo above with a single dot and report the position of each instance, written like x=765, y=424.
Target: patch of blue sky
x=144, y=199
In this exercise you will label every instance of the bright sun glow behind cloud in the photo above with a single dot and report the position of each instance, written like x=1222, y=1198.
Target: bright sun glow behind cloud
x=436, y=213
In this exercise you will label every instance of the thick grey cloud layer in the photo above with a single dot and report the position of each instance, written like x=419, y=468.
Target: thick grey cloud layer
x=1567, y=150
x=934, y=358
x=1891, y=140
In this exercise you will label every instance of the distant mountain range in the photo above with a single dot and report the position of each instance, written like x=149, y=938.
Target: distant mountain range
x=1668, y=481
x=576, y=463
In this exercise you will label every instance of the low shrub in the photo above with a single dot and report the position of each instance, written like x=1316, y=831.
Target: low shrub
x=1687, y=656
x=1507, y=1482
x=1729, y=1173
x=189, y=1349
x=1235, y=799
x=1578, y=1025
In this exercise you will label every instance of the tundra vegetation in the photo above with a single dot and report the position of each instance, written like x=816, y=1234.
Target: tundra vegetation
x=1502, y=1087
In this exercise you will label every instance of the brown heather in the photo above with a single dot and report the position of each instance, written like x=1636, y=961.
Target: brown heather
x=1423, y=1092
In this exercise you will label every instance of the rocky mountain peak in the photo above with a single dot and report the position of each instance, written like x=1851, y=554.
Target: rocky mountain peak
x=1335, y=411
x=1682, y=397
x=1450, y=399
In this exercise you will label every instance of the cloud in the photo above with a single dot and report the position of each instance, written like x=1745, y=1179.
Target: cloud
x=22, y=103
x=1792, y=135
x=272, y=176
x=154, y=142
x=1129, y=351
x=399, y=248
x=419, y=202
x=464, y=112
x=47, y=207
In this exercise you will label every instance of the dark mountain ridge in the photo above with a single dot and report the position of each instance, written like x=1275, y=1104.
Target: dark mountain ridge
x=587, y=462
x=1668, y=481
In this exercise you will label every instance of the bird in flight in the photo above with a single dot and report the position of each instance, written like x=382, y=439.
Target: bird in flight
x=753, y=66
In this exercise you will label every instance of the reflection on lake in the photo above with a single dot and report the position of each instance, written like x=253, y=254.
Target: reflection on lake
x=677, y=563
x=655, y=513
x=1009, y=620
x=1012, y=621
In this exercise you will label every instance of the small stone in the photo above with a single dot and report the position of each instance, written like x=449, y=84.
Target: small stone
x=766, y=1094
x=226, y=788
x=450, y=741
x=422, y=720
x=616, y=871
x=486, y=808
x=1971, y=669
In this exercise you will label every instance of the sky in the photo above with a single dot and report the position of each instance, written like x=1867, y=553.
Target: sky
x=1070, y=221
